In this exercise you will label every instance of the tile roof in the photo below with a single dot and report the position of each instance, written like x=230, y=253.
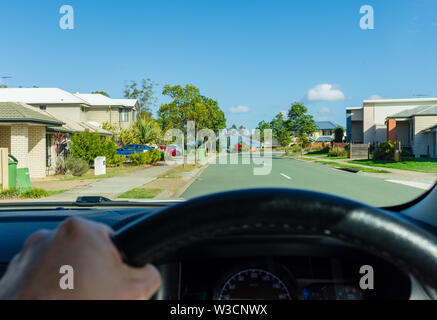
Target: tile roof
x=22, y=113
x=326, y=125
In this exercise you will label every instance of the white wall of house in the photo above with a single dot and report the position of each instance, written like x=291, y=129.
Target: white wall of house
x=422, y=140
x=70, y=111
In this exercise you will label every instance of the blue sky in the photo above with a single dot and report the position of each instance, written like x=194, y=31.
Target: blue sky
x=257, y=55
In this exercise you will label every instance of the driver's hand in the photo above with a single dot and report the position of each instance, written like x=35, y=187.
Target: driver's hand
x=99, y=272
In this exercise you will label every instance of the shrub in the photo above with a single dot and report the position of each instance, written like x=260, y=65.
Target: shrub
x=60, y=166
x=89, y=145
x=34, y=194
x=148, y=157
x=384, y=151
x=155, y=155
x=296, y=148
x=108, y=149
x=337, y=152
x=77, y=167
x=118, y=160
x=9, y=193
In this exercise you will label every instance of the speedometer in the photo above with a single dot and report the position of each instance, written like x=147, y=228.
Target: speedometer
x=254, y=284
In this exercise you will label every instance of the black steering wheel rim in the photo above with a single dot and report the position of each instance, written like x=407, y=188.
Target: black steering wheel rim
x=155, y=237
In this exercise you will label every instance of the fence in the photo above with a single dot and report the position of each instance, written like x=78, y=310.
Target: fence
x=359, y=151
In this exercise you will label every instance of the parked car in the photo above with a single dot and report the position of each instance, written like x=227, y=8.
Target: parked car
x=132, y=148
x=169, y=150
x=177, y=148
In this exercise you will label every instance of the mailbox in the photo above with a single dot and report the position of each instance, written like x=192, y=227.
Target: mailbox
x=99, y=166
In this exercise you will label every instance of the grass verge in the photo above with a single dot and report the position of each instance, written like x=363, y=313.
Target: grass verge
x=141, y=193
x=110, y=173
x=341, y=165
x=12, y=194
x=426, y=165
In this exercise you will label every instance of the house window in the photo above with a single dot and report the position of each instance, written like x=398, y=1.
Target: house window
x=326, y=132
x=83, y=109
x=123, y=115
x=43, y=108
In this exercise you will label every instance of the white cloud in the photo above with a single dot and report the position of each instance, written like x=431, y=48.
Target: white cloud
x=375, y=97
x=239, y=109
x=325, y=92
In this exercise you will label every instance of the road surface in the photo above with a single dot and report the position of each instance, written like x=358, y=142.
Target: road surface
x=291, y=173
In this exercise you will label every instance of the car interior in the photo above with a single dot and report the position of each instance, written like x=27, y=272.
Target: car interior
x=260, y=244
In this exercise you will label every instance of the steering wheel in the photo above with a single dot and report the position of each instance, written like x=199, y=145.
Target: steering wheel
x=156, y=237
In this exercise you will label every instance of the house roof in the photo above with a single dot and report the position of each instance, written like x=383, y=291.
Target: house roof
x=127, y=102
x=96, y=99
x=419, y=111
x=433, y=100
x=326, y=125
x=13, y=112
x=71, y=126
x=38, y=96
x=324, y=139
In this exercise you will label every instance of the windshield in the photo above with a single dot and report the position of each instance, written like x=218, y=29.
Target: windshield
x=169, y=100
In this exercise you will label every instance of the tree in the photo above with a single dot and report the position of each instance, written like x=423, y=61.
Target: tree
x=147, y=130
x=233, y=126
x=189, y=105
x=280, y=130
x=263, y=125
x=338, y=134
x=103, y=93
x=3, y=86
x=299, y=122
x=144, y=93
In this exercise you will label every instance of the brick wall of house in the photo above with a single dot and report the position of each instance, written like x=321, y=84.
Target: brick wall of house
x=37, y=151
x=5, y=137
x=20, y=144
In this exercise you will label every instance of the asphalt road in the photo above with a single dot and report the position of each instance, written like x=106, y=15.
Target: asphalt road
x=291, y=173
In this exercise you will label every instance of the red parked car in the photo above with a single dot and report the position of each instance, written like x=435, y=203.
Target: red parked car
x=169, y=150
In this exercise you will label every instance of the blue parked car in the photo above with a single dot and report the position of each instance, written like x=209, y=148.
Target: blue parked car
x=132, y=148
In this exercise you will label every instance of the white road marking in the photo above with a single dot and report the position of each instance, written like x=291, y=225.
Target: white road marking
x=285, y=176
x=419, y=185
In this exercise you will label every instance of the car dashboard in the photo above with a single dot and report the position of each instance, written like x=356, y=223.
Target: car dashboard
x=239, y=267
x=272, y=268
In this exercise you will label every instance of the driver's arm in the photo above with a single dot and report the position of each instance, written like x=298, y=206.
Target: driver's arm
x=99, y=272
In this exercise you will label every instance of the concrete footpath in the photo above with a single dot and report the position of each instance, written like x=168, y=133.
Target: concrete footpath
x=113, y=187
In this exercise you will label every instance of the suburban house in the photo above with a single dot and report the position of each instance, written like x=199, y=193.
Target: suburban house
x=23, y=131
x=413, y=122
x=119, y=112
x=325, y=131
x=69, y=113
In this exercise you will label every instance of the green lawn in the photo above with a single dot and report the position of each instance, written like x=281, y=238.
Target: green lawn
x=141, y=193
x=341, y=165
x=427, y=165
